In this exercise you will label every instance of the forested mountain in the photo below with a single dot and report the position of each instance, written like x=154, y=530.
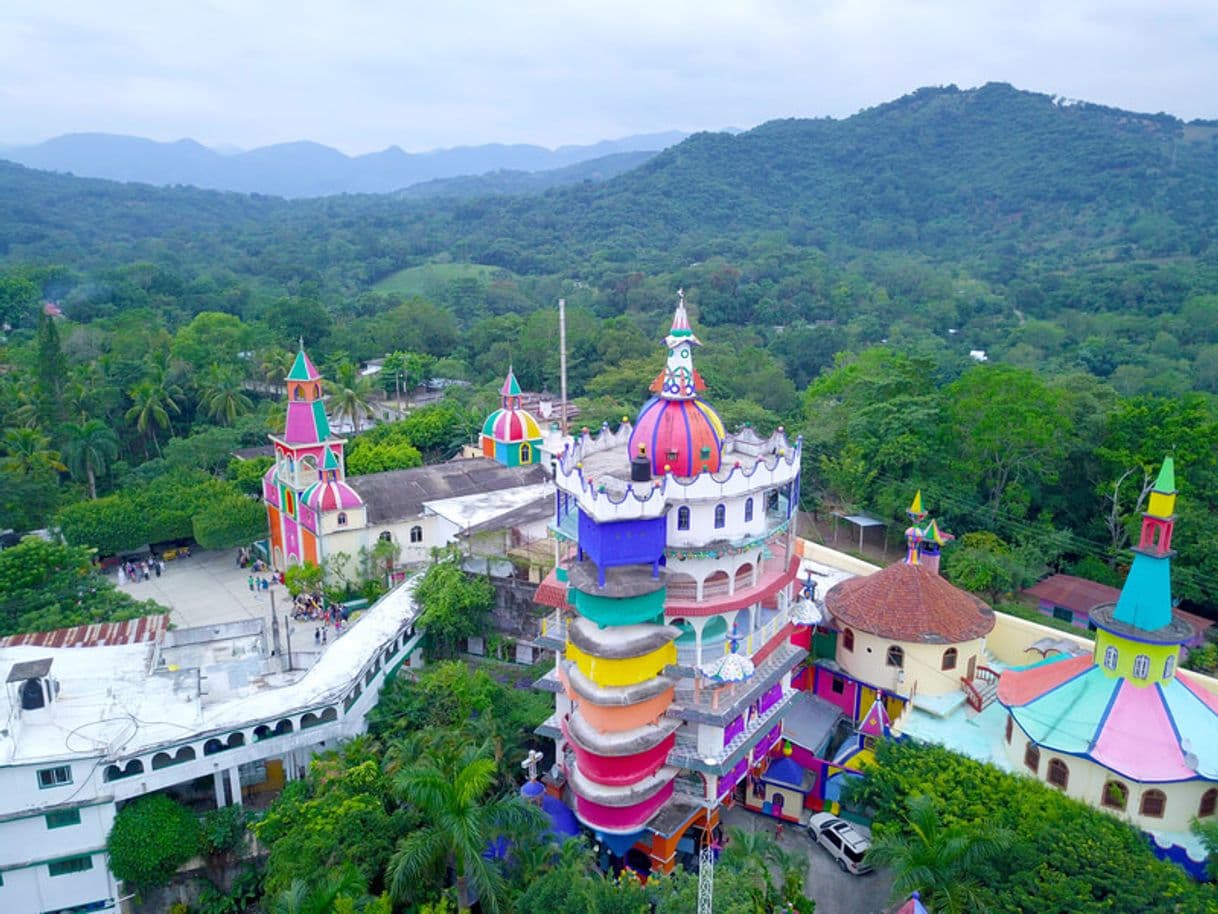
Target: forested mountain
x=843, y=272
x=305, y=169
x=526, y=182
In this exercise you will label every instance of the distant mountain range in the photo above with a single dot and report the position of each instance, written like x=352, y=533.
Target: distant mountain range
x=307, y=169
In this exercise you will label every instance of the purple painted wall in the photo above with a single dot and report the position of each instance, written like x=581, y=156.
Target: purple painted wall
x=771, y=697
x=734, y=729
x=732, y=778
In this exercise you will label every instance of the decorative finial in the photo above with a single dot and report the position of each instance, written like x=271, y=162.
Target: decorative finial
x=302, y=342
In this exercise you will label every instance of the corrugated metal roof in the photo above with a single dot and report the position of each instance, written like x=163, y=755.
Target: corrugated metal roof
x=133, y=631
x=399, y=494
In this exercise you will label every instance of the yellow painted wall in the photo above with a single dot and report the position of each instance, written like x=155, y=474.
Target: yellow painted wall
x=1161, y=505
x=1127, y=653
x=622, y=672
x=1012, y=636
x=1087, y=780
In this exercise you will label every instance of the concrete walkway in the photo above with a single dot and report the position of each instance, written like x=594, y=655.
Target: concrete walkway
x=206, y=588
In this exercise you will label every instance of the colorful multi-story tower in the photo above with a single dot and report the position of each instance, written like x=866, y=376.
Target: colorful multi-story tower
x=1123, y=729
x=510, y=434
x=304, y=490
x=683, y=552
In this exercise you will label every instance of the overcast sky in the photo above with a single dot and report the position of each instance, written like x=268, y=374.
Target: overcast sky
x=361, y=75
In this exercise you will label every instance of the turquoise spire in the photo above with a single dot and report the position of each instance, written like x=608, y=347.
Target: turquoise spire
x=1145, y=600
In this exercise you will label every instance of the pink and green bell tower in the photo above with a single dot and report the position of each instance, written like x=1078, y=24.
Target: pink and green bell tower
x=305, y=451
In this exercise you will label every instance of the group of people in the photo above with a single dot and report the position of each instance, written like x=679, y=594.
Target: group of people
x=259, y=584
x=309, y=607
x=246, y=560
x=143, y=570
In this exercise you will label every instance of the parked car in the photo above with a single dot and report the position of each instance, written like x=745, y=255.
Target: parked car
x=842, y=840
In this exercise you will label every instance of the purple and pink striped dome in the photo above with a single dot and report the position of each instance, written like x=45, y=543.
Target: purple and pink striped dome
x=685, y=435
x=331, y=496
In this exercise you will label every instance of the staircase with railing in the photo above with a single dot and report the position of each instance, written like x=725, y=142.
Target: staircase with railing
x=982, y=689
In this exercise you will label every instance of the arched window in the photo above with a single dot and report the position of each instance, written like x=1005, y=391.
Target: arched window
x=748, y=510
x=896, y=657
x=296, y=394
x=720, y=516
x=416, y=534
x=386, y=536
x=1209, y=803
x=949, y=659
x=526, y=453
x=1110, y=658
x=1154, y=803
x=1169, y=666
x=1010, y=728
x=1116, y=795
x=1031, y=757
x=1141, y=666
x=682, y=518
x=1058, y=774
x=342, y=518
x=848, y=640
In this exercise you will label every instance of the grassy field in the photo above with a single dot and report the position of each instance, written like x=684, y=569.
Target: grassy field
x=430, y=278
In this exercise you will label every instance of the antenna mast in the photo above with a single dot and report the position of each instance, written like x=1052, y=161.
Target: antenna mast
x=562, y=361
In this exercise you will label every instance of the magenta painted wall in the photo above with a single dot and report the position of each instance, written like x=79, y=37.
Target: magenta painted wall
x=622, y=818
x=291, y=537
x=307, y=518
x=822, y=687
x=734, y=729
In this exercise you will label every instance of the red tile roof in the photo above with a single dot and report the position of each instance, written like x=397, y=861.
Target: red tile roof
x=552, y=592
x=909, y=603
x=1076, y=594
x=133, y=631
x=1200, y=624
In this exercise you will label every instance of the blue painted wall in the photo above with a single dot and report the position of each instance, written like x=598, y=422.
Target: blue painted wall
x=625, y=542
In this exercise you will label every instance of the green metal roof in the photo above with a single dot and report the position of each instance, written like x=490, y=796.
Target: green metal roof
x=1167, y=476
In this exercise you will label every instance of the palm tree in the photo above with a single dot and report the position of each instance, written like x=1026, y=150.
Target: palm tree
x=273, y=365
x=941, y=863
x=28, y=452
x=151, y=405
x=320, y=898
x=89, y=447
x=349, y=395
x=222, y=395
x=459, y=822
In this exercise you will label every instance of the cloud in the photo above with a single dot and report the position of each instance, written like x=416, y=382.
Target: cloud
x=364, y=74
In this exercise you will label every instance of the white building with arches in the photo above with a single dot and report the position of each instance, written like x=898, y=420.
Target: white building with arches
x=87, y=729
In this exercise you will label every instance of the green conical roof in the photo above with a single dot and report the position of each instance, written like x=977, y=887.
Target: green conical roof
x=302, y=369
x=510, y=386
x=331, y=460
x=1166, y=482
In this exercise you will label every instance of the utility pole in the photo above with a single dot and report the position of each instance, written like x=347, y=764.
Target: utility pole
x=562, y=361
x=287, y=627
